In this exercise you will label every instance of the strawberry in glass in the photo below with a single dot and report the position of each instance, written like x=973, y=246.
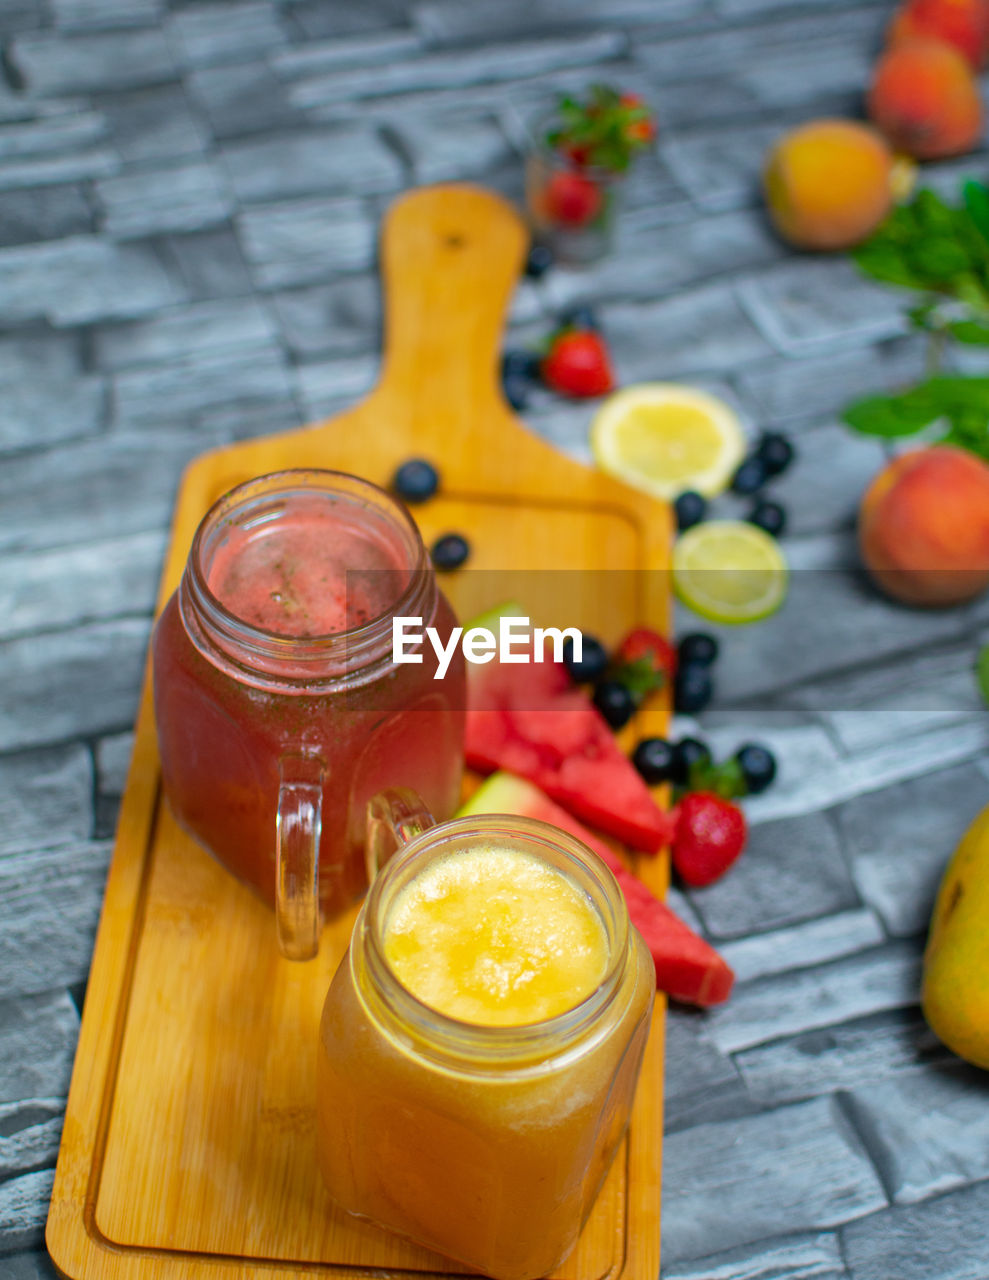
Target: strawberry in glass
x=574, y=169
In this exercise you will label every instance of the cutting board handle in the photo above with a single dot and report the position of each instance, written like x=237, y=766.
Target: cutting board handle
x=450, y=257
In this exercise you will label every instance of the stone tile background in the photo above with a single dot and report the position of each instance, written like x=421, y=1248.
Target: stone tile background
x=189, y=194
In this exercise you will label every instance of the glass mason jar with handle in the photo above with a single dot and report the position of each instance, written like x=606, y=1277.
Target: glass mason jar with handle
x=485, y=1138
x=279, y=709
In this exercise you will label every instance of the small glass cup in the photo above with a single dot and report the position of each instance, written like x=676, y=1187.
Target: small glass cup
x=272, y=744
x=485, y=1143
x=572, y=208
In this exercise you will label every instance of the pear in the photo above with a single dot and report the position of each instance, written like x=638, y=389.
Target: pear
x=955, y=993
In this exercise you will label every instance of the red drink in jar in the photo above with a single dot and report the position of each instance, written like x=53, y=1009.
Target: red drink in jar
x=280, y=711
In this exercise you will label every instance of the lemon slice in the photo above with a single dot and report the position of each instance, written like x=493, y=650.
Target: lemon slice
x=665, y=438
x=729, y=571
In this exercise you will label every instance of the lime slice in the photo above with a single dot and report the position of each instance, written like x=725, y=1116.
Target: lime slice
x=729, y=571
x=664, y=438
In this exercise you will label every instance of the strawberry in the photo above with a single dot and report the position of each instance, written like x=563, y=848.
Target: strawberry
x=710, y=835
x=572, y=199
x=578, y=364
x=643, y=642
x=643, y=662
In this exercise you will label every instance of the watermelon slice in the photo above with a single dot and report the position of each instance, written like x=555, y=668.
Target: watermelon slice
x=687, y=968
x=529, y=719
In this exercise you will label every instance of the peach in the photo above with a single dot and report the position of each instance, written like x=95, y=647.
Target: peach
x=924, y=527
x=962, y=23
x=829, y=184
x=925, y=99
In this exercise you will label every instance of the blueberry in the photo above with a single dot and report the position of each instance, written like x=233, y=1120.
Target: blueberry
x=416, y=480
x=539, y=261
x=516, y=391
x=593, y=659
x=582, y=317
x=758, y=765
x=775, y=452
x=520, y=364
x=690, y=509
x=697, y=647
x=614, y=702
x=769, y=516
x=450, y=551
x=750, y=476
x=692, y=688
x=686, y=753
x=653, y=757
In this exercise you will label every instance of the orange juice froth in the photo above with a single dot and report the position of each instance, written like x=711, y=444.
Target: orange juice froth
x=496, y=937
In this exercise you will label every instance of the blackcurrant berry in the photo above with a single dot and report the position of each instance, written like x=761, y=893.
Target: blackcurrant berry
x=416, y=480
x=450, y=551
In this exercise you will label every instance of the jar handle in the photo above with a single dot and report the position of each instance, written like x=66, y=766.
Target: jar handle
x=297, y=830
x=394, y=817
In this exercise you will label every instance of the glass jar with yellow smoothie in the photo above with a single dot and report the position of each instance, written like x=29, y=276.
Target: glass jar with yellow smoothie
x=480, y=1043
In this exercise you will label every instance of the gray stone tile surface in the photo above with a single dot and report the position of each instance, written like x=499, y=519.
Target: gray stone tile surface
x=899, y=841
x=53, y=898
x=51, y=676
x=83, y=279
x=46, y=396
x=37, y=1047
x=870, y=982
x=926, y=1131
x=301, y=164
x=96, y=15
x=803, y=1257
x=787, y=1171
x=46, y=797
x=176, y=393
x=303, y=241
x=808, y=302
x=182, y=197
x=113, y=757
x=62, y=588
x=44, y=213
x=93, y=63
x=29, y=1135
x=945, y=1237
x=154, y=124
x=205, y=34
x=803, y=945
x=458, y=69
x=245, y=98
x=339, y=318
x=184, y=332
x=700, y=330
x=24, y=1208
x=861, y=1052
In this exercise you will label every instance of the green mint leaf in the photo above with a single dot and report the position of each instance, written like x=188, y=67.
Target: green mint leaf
x=887, y=416
x=885, y=261
x=939, y=259
x=971, y=332
x=639, y=677
x=976, y=197
x=982, y=672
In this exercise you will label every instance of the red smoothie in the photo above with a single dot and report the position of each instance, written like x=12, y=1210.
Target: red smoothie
x=276, y=647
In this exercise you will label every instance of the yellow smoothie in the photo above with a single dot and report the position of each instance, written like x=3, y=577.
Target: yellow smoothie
x=495, y=936
x=487, y=1137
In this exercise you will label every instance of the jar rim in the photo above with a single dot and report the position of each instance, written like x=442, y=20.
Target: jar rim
x=451, y=1040
x=357, y=645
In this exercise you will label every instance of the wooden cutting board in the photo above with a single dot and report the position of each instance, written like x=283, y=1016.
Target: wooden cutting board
x=188, y=1146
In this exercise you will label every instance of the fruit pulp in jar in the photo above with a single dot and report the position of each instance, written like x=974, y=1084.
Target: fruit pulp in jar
x=323, y=568
x=491, y=1163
